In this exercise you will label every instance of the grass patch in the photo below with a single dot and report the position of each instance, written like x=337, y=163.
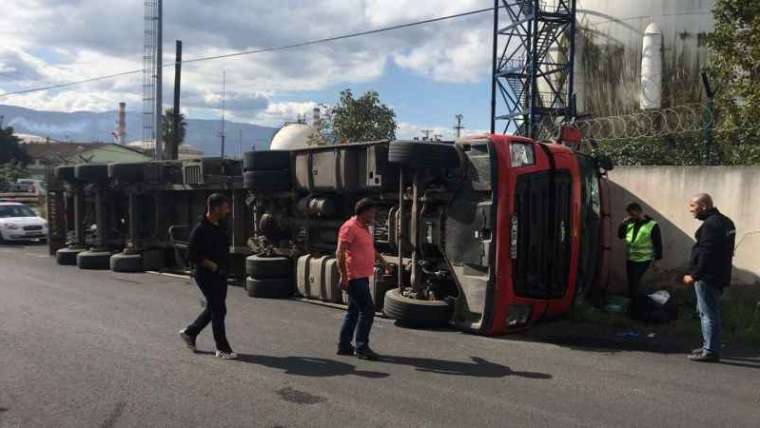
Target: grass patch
x=740, y=313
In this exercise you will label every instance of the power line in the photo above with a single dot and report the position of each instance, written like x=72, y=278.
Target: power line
x=258, y=51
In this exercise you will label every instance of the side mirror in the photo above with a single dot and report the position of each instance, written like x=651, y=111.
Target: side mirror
x=604, y=162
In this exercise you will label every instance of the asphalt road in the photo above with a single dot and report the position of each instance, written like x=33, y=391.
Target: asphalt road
x=99, y=349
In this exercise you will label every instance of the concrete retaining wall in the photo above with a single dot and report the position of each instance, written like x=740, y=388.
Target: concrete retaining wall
x=664, y=193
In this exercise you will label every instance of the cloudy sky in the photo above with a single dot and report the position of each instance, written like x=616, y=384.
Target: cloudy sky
x=427, y=74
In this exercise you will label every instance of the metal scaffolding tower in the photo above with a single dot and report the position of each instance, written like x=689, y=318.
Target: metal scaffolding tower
x=152, y=76
x=533, y=53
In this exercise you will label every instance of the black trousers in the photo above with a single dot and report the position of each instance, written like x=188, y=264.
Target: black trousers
x=635, y=271
x=214, y=289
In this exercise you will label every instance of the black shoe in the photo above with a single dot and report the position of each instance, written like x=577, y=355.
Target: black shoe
x=189, y=340
x=367, y=354
x=705, y=357
x=346, y=351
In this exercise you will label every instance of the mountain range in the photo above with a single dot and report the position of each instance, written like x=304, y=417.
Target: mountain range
x=85, y=127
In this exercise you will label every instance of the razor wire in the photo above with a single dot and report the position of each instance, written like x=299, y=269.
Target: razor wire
x=685, y=119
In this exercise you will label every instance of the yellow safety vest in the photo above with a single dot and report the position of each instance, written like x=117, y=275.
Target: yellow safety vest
x=640, y=249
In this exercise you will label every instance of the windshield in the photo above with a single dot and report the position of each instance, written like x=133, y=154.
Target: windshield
x=8, y=211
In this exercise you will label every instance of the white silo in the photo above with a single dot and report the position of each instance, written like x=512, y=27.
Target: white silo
x=651, y=69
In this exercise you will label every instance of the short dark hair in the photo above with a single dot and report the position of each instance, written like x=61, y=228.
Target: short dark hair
x=635, y=207
x=216, y=200
x=364, y=205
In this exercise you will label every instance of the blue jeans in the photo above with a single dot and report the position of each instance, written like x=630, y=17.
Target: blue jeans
x=708, y=307
x=359, y=317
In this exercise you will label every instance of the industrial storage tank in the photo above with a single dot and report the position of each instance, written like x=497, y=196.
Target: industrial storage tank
x=609, y=51
x=294, y=136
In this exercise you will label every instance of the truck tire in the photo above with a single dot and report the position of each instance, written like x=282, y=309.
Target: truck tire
x=416, y=313
x=127, y=263
x=65, y=173
x=67, y=256
x=268, y=160
x=263, y=267
x=92, y=173
x=267, y=181
x=94, y=260
x=416, y=154
x=132, y=172
x=269, y=288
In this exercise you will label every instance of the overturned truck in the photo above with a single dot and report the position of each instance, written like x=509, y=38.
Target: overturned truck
x=489, y=234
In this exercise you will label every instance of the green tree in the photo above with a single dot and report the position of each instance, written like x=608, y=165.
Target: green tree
x=10, y=172
x=13, y=159
x=167, y=133
x=735, y=71
x=10, y=149
x=362, y=119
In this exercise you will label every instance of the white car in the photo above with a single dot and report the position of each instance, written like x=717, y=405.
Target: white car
x=18, y=222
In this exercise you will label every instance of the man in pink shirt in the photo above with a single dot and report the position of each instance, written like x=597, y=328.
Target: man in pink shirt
x=356, y=263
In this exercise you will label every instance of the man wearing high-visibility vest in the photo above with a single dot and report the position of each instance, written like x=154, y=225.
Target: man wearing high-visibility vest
x=643, y=244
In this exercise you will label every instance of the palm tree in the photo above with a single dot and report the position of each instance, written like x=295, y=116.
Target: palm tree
x=167, y=133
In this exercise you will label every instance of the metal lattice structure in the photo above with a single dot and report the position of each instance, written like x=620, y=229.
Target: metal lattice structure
x=533, y=52
x=149, y=72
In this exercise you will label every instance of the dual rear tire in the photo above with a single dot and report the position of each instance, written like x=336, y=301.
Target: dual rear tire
x=267, y=171
x=269, y=277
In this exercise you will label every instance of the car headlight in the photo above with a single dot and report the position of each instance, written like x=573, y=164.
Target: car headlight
x=11, y=226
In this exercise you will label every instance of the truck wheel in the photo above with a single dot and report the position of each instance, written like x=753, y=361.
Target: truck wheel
x=91, y=172
x=416, y=313
x=267, y=181
x=67, y=256
x=127, y=172
x=268, y=160
x=128, y=263
x=94, y=260
x=65, y=173
x=269, y=288
x=262, y=267
x=417, y=154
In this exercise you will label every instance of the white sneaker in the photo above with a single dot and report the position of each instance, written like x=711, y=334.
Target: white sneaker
x=226, y=355
x=189, y=341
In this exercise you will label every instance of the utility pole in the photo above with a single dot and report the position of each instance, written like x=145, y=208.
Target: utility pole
x=458, y=127
x=173, y=152
x=426, y=133
x=224, y=98
x=159, y=146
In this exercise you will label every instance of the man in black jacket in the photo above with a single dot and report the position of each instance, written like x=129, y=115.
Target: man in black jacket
x=209, y=254
x=710, y=271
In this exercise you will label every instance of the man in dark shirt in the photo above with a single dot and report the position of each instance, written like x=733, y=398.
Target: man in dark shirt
x=208, y=252
x=710, y=271
x=643, y=244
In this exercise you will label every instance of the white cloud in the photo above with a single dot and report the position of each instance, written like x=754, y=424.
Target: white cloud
x=408, y=131
x=53, y=41
x=462, y=59
x=278, y=113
